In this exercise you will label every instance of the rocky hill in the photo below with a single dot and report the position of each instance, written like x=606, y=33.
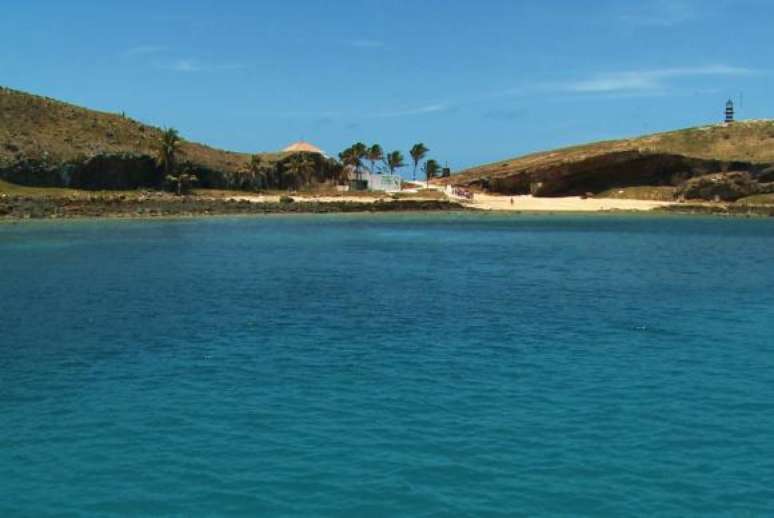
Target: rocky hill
x=48, y=143
x=660, y=160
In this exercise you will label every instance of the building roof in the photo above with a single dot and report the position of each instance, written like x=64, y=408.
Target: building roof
x=303, y=147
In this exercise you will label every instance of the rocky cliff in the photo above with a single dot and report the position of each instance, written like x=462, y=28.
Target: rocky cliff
x=667, y=159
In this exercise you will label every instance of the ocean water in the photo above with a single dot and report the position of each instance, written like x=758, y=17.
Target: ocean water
x=388, y=365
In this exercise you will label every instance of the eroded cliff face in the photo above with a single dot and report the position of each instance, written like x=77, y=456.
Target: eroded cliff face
x=608, y=171
x=658, y=160
x=105, y=171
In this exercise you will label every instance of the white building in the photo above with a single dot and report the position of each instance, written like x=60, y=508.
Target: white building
x=373, y=182
x=382, y=182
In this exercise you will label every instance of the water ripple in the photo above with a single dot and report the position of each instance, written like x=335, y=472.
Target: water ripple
x=388, y=366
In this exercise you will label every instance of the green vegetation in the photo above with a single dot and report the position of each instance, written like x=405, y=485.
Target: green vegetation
x=181, y=182
x=167, y=156
x=40, y=135
x=353, y=157
x=48, y=143
x=168, y=150
x=375, y=154
x=645, y=192
x=418, y=153
x=394, y=161
x=302, y=168
x=431, y=169
x=256, y=174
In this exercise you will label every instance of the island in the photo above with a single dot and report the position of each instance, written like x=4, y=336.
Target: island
x=58, y=160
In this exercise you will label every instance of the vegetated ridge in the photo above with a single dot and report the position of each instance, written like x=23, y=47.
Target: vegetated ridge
x=692, y=163
x=48, y=143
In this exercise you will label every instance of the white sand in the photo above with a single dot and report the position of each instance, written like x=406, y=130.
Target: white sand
x=496, y=203
x=564, y=204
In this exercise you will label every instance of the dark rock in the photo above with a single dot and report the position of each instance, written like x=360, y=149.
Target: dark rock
x=767, y=175
x=607, y=171
x=721, y=187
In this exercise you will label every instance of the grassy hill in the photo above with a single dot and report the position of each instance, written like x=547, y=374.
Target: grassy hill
x=45, y=142
x=39, y=127
x=658, y=160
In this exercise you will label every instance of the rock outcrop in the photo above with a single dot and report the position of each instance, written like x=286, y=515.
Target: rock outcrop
x=661, y=160
x=603, y=172
x=729, y=186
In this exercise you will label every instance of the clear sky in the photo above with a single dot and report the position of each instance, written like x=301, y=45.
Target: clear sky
x=476, y=80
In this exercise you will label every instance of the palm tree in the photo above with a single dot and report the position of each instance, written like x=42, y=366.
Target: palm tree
x=301, y=167
x=431, y=170
x=256, y=172
x=394, y=161
x=375, y=154
x=349, y=159
x=167, y=149
x=353, y=156
x=360, y=151
x=182, y=181
x=418, y=152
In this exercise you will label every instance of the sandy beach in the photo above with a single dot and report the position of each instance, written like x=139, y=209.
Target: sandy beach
x=495, y=203
x=564, y=204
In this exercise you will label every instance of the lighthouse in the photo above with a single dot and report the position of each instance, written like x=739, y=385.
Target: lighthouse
x=729, y=111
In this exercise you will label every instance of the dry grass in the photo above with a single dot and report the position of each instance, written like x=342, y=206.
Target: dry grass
x=757, y=199
x=422, y=194
x=749, y=141
x=640, y=193
x=11, y=189
x=45, y=129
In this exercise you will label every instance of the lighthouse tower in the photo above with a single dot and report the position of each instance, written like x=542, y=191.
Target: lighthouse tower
x=729, y=111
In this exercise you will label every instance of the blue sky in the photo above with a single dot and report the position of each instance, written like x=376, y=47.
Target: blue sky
x=477, y=81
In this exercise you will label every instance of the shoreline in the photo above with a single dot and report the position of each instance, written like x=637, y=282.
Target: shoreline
x=497, y=203
x=127, y=207
x=728, y=210
x=22, y=208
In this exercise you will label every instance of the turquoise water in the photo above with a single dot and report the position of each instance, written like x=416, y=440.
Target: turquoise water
x=396, y=365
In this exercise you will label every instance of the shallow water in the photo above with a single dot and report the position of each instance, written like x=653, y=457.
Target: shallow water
x=423, y=365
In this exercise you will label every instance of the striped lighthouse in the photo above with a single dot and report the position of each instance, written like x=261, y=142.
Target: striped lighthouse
x=729, y=111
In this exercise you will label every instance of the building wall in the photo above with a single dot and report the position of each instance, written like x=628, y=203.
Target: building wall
x=383, y=182
x=373, y=182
